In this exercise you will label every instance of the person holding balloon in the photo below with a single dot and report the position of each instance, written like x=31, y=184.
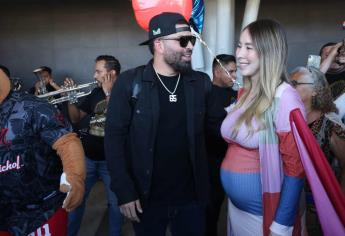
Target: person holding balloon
x=154, y=139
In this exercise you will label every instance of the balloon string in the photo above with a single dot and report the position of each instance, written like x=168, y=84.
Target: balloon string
x=198, y=36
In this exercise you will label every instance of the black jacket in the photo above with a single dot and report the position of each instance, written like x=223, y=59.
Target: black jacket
x=130, y=132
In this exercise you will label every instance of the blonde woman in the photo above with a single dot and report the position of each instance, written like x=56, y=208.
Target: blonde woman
x=262, y=173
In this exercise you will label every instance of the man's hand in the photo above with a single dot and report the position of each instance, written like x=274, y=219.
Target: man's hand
x=37, y=87
x=330, y=58
x=54, y=85
x=130, y=209
x=68, y=82
x=107, y=83
x=334, y=51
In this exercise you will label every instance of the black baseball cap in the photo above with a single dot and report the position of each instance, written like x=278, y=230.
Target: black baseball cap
x=165, y=24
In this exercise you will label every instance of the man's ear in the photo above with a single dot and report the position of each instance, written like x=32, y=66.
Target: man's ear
x=158, y=45
x=112, y=74
x=217, y=71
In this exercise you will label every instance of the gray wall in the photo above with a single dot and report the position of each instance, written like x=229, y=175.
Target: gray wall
x=68, y=35
x=309, y=24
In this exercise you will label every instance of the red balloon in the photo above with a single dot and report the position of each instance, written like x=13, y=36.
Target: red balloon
x=144, y=10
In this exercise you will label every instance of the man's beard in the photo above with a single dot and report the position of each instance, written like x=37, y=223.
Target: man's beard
x=174, y=59
x=99, y=83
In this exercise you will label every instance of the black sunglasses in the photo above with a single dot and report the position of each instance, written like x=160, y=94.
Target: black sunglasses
x=295, y=83
x=184, y=40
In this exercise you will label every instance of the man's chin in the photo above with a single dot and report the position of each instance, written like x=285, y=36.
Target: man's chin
x=186, y=66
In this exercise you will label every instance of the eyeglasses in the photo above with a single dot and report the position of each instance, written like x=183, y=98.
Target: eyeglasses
x=295, y=83
x=183, y=40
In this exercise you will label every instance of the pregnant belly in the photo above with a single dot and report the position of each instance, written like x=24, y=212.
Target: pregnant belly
x=244, y=190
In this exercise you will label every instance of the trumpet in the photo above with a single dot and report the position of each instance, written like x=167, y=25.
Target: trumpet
x=70, y=94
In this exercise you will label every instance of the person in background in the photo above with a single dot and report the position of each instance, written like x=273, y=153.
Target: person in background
x=325, y=125
x=215, y=145
x=338, y=94
x=322, y=117
x=107, y=69
x=5, y=70
x=333, y=61
x=45, y=82
x=263, y=197
x=33, y=179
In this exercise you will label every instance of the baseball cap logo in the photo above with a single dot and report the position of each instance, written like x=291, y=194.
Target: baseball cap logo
x=157, y=31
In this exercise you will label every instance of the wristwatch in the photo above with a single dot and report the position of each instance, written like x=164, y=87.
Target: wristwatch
x=107, y=94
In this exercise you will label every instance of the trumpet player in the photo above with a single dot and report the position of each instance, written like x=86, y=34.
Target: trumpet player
x=107, y=68
x=45, y=82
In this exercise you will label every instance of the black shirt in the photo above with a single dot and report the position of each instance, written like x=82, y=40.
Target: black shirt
x=331, y=78
x=172, y=179
x=48, y=87
x=216, y=146
x=93, y=139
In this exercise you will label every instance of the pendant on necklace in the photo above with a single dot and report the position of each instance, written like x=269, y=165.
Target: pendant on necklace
x=172, y=98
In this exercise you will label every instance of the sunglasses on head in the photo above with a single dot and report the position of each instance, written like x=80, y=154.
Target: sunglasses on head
x=183, y=40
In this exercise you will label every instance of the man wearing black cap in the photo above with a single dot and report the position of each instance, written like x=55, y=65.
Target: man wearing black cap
x=154, y=139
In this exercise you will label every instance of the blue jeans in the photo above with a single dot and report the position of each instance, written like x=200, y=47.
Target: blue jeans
x=184, y=220
x=96, y=170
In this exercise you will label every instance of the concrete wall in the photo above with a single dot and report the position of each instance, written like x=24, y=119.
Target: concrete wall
x=68, y=35
x=309, y=24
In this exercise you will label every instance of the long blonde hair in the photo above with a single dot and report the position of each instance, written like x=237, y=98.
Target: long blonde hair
x=269, y=40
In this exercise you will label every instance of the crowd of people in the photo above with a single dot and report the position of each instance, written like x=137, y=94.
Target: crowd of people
x=170, y=144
